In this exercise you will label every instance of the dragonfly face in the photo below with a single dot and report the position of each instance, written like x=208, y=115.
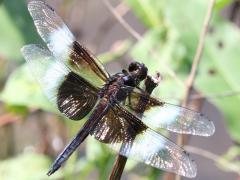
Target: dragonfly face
x=77, y=84
x=137, y=72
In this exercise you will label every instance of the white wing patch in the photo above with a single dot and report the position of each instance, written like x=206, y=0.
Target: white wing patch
x=60, y=41
x=48, y=72
x=178, y=119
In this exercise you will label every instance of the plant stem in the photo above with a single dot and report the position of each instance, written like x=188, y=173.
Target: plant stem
x=121, y=161
x=191, y=78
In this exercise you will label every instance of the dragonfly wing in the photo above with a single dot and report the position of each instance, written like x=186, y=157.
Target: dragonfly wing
x=72, y=95
x=159, y=114
x=63, y=44
x=130, y=137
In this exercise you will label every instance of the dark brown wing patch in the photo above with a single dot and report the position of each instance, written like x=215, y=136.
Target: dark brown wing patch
x=140, y=102
x=112, y=128
x=84, y=58
x=76, y=97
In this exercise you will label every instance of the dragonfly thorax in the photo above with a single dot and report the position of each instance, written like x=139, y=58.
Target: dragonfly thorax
x=121, y=84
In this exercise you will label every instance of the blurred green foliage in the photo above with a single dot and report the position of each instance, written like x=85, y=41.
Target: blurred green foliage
x=222, y=3
x=174, y=36
x=173, y=29
x=229, y=161
x=22, y=80
x=27, y=166
x=17, y=29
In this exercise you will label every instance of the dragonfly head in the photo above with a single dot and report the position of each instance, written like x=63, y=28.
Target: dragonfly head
x=136, y=73
x=138, y=70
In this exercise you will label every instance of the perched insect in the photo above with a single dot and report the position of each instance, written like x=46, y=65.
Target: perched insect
x=76, y=82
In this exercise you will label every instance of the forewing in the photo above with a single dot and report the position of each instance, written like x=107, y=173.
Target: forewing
x=72, y=95
x=63, y=44
x=158, y=114
x=127, y=135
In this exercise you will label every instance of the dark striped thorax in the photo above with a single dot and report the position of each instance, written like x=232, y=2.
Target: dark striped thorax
x=120, y=85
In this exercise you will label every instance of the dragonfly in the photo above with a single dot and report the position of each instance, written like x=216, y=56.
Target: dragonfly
x=78, y=85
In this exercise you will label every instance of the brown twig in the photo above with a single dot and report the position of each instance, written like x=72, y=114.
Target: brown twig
x=197, y=57
x=108, y=24
x=8, y=118
x=202, y=152
x=198, y=96
x=209, y=155
x=119, y=18
x=215, y=96
x=138, y=37
x=195, y=64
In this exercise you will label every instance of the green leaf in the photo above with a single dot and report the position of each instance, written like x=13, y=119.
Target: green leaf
x=94, y=147
x=117, y=51
x=100, y=155
x=149, y=11
x=186, y=20
x=23, y=110
x=22, y=89
x=172, y=45
x=181, y=28
x=229, y=161
x=219, y=72
x=16, y=29
x=25, y=167
x=164, y=50
x=232, y=153
x=220, y=4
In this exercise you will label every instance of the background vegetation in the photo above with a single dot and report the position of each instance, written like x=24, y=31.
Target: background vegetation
x=165, y=38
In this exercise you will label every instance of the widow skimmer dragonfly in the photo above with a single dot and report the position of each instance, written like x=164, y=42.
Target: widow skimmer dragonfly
x=77, y=83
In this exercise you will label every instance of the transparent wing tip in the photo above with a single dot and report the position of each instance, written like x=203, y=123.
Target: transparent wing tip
x=33, y=49
x=193, y=172
x=209, y=127
x=25, y=49
x=189, y=168
x=38, y=5
x=32, y=2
